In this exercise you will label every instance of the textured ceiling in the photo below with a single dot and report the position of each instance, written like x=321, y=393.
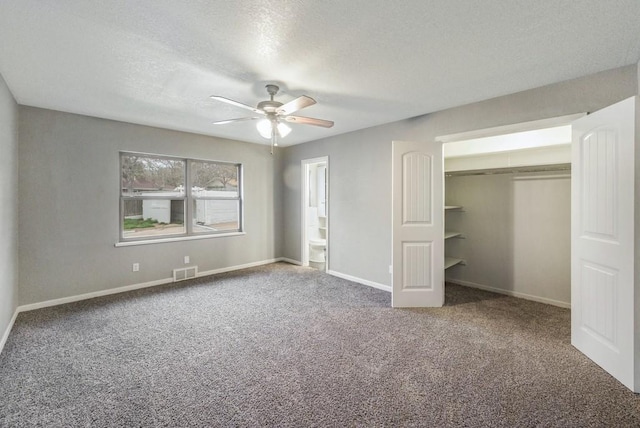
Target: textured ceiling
x=366, y=62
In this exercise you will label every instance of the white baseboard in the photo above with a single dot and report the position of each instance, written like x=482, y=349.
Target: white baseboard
x=238, y=267
x=360, y=281
x=86, y=296
x=290, y=261
x=5, y=335
x=510, y=293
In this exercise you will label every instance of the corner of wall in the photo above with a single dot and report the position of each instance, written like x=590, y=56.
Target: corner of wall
x=8, y=218
x=278, y=204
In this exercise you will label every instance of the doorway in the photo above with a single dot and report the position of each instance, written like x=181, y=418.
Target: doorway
x=315, y=213
x=508, y=200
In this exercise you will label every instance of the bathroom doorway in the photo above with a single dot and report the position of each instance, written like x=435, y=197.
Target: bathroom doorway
x=315, y=213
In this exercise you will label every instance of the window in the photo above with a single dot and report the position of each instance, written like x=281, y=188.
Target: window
x=164, y=197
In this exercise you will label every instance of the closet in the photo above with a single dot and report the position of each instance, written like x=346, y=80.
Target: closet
x=508, y=218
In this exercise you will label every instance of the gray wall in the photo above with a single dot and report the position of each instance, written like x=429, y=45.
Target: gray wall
x=360, y=164
x=8, y=206
x=68, y=175
x=68, y=207
x=517, y=233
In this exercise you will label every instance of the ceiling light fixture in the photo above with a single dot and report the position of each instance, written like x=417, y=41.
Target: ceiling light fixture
x=272, y=128
x=274, y=113
x=266, y=128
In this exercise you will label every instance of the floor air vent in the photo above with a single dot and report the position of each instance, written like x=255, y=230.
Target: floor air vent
x=185, y=273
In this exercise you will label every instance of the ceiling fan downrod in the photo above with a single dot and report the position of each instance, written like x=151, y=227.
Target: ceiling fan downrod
x=272, y=90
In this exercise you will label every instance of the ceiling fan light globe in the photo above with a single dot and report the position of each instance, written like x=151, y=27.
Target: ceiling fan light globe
x=283, y=129
x=264, y=128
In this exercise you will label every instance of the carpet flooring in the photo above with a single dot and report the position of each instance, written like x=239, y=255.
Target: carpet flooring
x=285, y=346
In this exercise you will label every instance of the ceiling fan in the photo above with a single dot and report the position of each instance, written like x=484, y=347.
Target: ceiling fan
x=272, y=115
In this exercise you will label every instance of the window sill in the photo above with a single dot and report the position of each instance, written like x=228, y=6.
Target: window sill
x=176, y=239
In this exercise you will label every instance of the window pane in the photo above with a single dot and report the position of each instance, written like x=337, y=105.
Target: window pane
x=216, y=215
x=152, y=217
x=211, y=179
x=149, y=176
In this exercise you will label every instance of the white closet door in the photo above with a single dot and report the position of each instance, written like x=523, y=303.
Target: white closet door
x=602, y=239
x=418, y=229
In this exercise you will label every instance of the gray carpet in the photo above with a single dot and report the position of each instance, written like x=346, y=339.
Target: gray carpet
x=285, y=346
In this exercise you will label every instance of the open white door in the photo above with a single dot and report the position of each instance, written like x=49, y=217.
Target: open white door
x=418, y=229
x=602, y=239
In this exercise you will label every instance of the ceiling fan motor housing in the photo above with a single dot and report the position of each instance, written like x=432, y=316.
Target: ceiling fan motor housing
x=269, y=106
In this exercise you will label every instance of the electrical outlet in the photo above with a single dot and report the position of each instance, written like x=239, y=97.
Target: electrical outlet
x=186, y=260
x=136, y=267
x=391, y=269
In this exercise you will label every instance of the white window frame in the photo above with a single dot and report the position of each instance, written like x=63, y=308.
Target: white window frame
x=188, y=200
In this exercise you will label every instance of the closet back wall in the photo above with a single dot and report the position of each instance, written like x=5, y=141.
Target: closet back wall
x=517, y=230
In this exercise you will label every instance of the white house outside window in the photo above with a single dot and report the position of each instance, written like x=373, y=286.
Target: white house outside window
x=165, y=197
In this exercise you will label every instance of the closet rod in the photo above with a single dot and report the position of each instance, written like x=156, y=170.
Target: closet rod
x=510, y=170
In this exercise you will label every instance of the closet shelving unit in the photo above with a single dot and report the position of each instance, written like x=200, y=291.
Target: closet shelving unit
x=449, y=234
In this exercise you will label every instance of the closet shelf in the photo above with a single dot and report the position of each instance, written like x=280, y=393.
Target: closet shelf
x=448, y=234
x=452, y=261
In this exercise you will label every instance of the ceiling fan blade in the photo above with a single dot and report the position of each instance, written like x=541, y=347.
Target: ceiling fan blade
x=240, y=119
x=295, y=105
x=309, y=121
x=236, y=103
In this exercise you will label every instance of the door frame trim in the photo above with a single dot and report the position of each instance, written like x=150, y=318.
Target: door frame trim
x=304, y=248
x=510, y=128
